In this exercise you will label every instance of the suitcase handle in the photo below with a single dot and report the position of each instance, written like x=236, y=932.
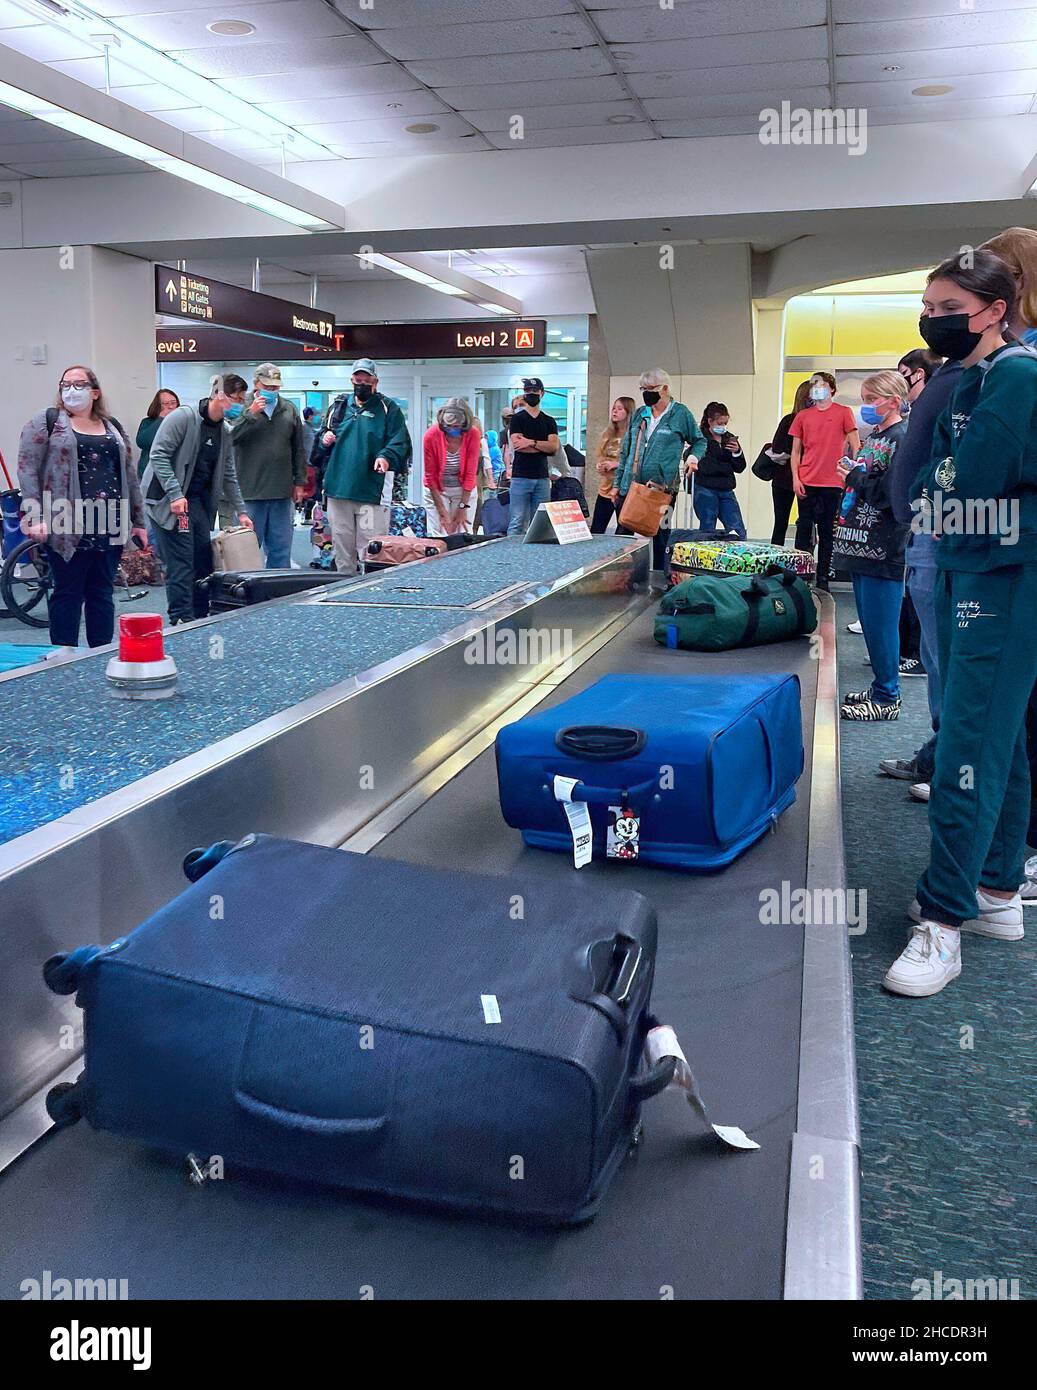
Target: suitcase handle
x=600, y=741
x=359, y=1127
x=652, y=1082
x=609, y=969
x=610, y=796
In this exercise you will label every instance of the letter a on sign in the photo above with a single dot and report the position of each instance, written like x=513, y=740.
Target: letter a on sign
x=523, y=337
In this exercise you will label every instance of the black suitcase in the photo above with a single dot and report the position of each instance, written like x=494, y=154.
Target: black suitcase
x=230, y=589
x=569, y=490
x=377, y=1026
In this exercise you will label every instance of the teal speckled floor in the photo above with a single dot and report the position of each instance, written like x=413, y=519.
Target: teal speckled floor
x=947, y=1085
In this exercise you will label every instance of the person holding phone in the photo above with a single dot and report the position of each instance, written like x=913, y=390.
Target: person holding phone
x=715, y=477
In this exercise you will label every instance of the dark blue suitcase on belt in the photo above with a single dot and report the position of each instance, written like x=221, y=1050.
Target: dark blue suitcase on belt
x=377, y=1026
x=705, y=763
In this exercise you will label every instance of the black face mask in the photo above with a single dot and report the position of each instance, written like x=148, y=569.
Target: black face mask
x=949, y=335
x=363, y=392
x=532, y=398
x=651, y=397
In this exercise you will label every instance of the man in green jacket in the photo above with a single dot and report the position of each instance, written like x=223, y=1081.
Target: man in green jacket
x=367, y=436
x=270, y=454
x=657, y=437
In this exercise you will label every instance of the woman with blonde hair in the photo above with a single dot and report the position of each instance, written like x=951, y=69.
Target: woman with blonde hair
x=1017, y=247
x=869, y=542
x=609, y=445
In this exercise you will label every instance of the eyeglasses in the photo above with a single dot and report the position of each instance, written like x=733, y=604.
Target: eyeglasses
x=78, y=385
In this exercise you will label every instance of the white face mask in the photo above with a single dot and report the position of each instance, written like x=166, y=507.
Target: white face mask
x=77, y=397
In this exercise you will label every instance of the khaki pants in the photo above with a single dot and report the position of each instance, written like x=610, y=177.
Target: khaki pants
x=353, y=524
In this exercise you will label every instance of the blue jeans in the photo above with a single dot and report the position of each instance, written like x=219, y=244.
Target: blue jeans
x=273, y=522
x=713, y=502
x=878, y=607
x=526, y=496
x=921, y=582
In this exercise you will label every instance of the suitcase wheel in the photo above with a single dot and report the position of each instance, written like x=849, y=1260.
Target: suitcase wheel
x=62, y=973
x=63, y=1104
x=198, y=862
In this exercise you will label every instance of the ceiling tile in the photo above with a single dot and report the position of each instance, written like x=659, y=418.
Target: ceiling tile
x=998, y=57
x=275, y=21
x=633, y=23
x=950, y=30
x=737, y=50
x=538, y=117
x=266, y=59
x=522, y=65
x=950, y=111
x=113, y=9
x=893, y=93
x=359, y=108
x=477, y=40
x=511, y=95
x=47, y=44
x=763, y=76
x=398, y=14
x=575, y=135
x=391, y=127
x=323, y=82
x=707, y=104
x=854, y=11
x=706, y=126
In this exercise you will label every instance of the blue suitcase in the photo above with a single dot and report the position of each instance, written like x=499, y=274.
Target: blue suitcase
x=403, y=517
x=377, y=1026
x=704, y=765
x=495, y=514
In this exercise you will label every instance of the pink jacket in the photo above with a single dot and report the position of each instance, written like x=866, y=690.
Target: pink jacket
x=435, y=458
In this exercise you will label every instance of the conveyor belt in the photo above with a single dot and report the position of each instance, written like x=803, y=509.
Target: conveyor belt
x=682, y=1214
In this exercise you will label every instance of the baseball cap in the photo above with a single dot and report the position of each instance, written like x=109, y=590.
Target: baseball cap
x=268, y=374
x=532, y=383
x=364, y=364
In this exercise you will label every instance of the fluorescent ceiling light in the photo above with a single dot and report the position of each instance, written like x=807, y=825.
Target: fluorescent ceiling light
x=100, y=134
x=196, y=90
x=423, y=269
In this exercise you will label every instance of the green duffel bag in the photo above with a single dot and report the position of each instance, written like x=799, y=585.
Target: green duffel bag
x=714, y=612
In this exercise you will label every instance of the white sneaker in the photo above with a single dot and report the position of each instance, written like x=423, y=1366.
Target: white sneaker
x=60, y=651
x=1001, y=918
x=1028, y=887
x=855, y=627
x=919, y=790
x=931, y=960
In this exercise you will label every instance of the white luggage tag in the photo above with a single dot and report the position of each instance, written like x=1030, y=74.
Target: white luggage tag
x=579, y=817
x=410, y=533
x=662, y=1042
x=624, y=833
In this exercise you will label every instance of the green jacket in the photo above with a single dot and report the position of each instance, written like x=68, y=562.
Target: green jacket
x=660, y=459
x=980, y=487
x=363, y=433
x=270, y=452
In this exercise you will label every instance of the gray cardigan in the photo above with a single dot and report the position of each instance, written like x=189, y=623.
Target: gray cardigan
x=48, y=466
x=171, y=462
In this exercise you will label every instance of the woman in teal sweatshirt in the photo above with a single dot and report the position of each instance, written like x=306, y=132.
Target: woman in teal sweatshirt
x=978, y=495
x=657, y=437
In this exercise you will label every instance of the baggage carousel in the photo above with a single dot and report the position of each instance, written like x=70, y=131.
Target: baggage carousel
x=763, y=1011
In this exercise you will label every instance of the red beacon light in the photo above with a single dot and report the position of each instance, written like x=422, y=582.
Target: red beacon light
x=142, y=670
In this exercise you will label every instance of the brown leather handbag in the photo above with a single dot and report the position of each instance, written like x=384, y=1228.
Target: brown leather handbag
x=646, y=503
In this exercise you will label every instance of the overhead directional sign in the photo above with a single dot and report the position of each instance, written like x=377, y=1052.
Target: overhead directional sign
x=183, y=295
x=382, y=341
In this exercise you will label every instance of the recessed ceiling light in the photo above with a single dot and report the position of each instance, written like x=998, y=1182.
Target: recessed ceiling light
x=231, y=28
x=394, y=106
x=421, y=128
x=935, y=89
x=891, y=67
x=620, y=120
x=568, y=339
x=554, y=332
x=554, y=354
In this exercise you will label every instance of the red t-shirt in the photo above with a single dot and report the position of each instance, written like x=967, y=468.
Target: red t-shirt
x=823, y=436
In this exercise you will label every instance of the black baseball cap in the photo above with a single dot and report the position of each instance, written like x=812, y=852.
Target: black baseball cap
x=532, y=383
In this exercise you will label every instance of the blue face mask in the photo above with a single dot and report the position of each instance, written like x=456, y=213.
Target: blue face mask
x=233, y=411
x=452, y=433
x=269, y=396
x=819, y=393
x=718, y=429
x=870, y=415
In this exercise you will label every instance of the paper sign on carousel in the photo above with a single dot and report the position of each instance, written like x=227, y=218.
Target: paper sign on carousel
x=558, y=523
